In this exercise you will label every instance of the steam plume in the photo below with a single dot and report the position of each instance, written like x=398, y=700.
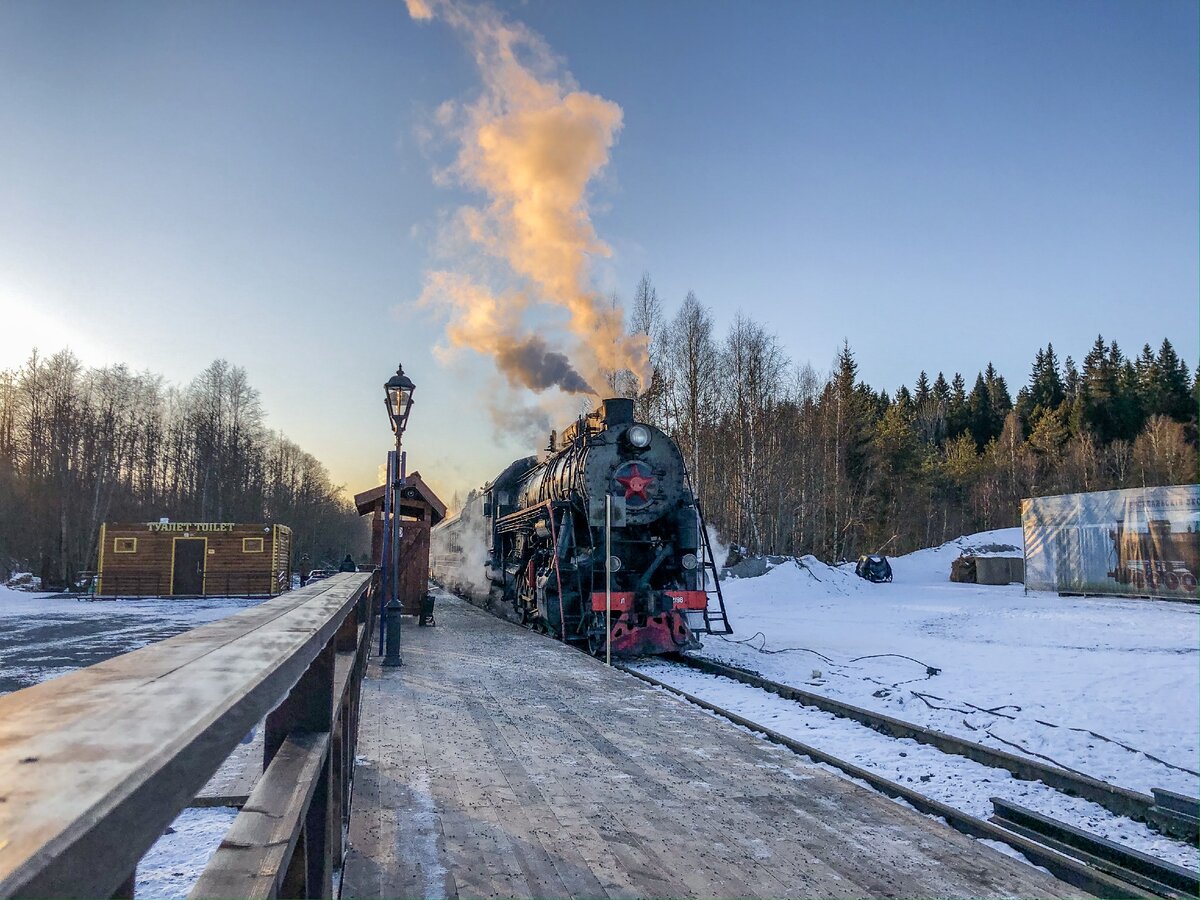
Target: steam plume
x=541, y=368
x=531, y=143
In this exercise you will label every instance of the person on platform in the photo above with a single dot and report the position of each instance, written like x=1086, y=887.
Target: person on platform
x=348, y=564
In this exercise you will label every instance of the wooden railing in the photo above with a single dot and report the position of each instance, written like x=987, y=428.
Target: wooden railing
x=96, y=764
x=156, y=583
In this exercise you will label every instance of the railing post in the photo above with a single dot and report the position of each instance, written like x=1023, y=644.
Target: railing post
x=125, y=891
x=309, y=707
x=345, y=642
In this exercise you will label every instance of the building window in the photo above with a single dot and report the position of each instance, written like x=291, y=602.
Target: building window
x=124, y=545
x=252, y=545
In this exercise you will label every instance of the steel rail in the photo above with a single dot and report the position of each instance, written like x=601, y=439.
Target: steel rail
x=1060, y=865
x=1118, y=800
x=1129, y=865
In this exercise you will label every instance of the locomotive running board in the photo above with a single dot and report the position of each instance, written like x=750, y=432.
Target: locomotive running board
x=525, y=519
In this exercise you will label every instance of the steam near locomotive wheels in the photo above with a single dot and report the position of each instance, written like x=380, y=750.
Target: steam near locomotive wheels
x=535, y=538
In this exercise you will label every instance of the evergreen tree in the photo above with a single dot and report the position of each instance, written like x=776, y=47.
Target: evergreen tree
x=998, y=392
x=957, y=419
x=980, y=415
x=1128, y=411
x=1070, y=382
x=1148, y=386
x=1045, y=392
x=1098, y=390
x=1173, y=390
x=922, y=393
x=941, y=390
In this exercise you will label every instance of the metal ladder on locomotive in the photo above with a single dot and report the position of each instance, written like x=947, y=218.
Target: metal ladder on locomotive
x=717, y=615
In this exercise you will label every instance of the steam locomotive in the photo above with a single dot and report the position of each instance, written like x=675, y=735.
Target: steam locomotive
x=611, y=502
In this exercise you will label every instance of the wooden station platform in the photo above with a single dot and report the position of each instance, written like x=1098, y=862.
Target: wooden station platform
x=499, y=763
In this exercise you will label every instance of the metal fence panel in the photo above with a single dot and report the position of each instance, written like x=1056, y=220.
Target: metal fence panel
x=1138, y=542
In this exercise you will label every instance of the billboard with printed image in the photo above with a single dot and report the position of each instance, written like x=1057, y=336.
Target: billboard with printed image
x=1141, y=542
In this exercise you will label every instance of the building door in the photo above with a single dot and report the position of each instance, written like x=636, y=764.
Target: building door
x=188, y=569
x=414, y=565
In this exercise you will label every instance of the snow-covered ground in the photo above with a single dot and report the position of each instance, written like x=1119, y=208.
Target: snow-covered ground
x=1108, y=687
x=42, y=637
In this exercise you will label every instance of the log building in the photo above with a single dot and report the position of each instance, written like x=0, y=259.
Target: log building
x=193, y=559
x=420, y=510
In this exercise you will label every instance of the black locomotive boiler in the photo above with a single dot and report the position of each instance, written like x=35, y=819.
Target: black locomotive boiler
x=535, y=537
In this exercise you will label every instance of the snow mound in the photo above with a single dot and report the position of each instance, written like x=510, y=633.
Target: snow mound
x=933, y=565
x=24, y=581
x=786, y=577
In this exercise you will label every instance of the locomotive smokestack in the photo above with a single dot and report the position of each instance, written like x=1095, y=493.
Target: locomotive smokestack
x=617, y=411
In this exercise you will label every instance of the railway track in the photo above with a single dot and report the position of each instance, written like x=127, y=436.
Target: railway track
x=1169, y=813
x=1091, y=863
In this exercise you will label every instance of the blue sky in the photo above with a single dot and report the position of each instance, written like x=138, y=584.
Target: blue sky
x=942, y=183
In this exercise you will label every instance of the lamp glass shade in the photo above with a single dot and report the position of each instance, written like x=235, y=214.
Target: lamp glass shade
x=398, y=396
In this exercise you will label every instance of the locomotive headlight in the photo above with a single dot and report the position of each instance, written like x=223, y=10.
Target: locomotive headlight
x=615, y=563
x=688, y=561
x=639, y=436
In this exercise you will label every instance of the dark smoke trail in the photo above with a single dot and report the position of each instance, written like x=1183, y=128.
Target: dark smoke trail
x=529, y=363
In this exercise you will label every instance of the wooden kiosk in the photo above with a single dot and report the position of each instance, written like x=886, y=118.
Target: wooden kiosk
x=193, y=559
x=420, y=510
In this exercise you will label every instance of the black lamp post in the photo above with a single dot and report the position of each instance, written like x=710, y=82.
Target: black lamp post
x=397, y=394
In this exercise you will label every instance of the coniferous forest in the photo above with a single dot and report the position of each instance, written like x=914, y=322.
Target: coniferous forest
x=81, y=446
x=788, y=460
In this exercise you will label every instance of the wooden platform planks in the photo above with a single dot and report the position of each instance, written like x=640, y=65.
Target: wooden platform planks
x=500, y=763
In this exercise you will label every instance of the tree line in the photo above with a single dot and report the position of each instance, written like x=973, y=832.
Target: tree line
x=80, y=446
x=790, y=461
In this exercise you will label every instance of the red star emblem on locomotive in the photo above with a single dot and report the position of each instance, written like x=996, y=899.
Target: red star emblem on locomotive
x=635, y=483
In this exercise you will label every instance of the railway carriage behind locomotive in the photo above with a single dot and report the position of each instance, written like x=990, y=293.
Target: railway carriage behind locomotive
x=535, y=538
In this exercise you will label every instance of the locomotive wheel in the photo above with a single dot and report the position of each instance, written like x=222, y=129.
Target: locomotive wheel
x=1188, y=581
x=1172, y=581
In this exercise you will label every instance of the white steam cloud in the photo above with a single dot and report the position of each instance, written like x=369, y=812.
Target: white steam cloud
x=531, y=144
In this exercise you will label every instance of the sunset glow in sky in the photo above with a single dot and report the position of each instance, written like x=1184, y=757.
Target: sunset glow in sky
x=317, y=191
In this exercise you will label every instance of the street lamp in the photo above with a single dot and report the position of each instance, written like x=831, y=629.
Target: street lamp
x=398, y=397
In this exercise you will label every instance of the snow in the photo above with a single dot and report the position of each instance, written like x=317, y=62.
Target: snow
x=46, y=635
x=173, y=865
x=1106, y=686
x=953, y=780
